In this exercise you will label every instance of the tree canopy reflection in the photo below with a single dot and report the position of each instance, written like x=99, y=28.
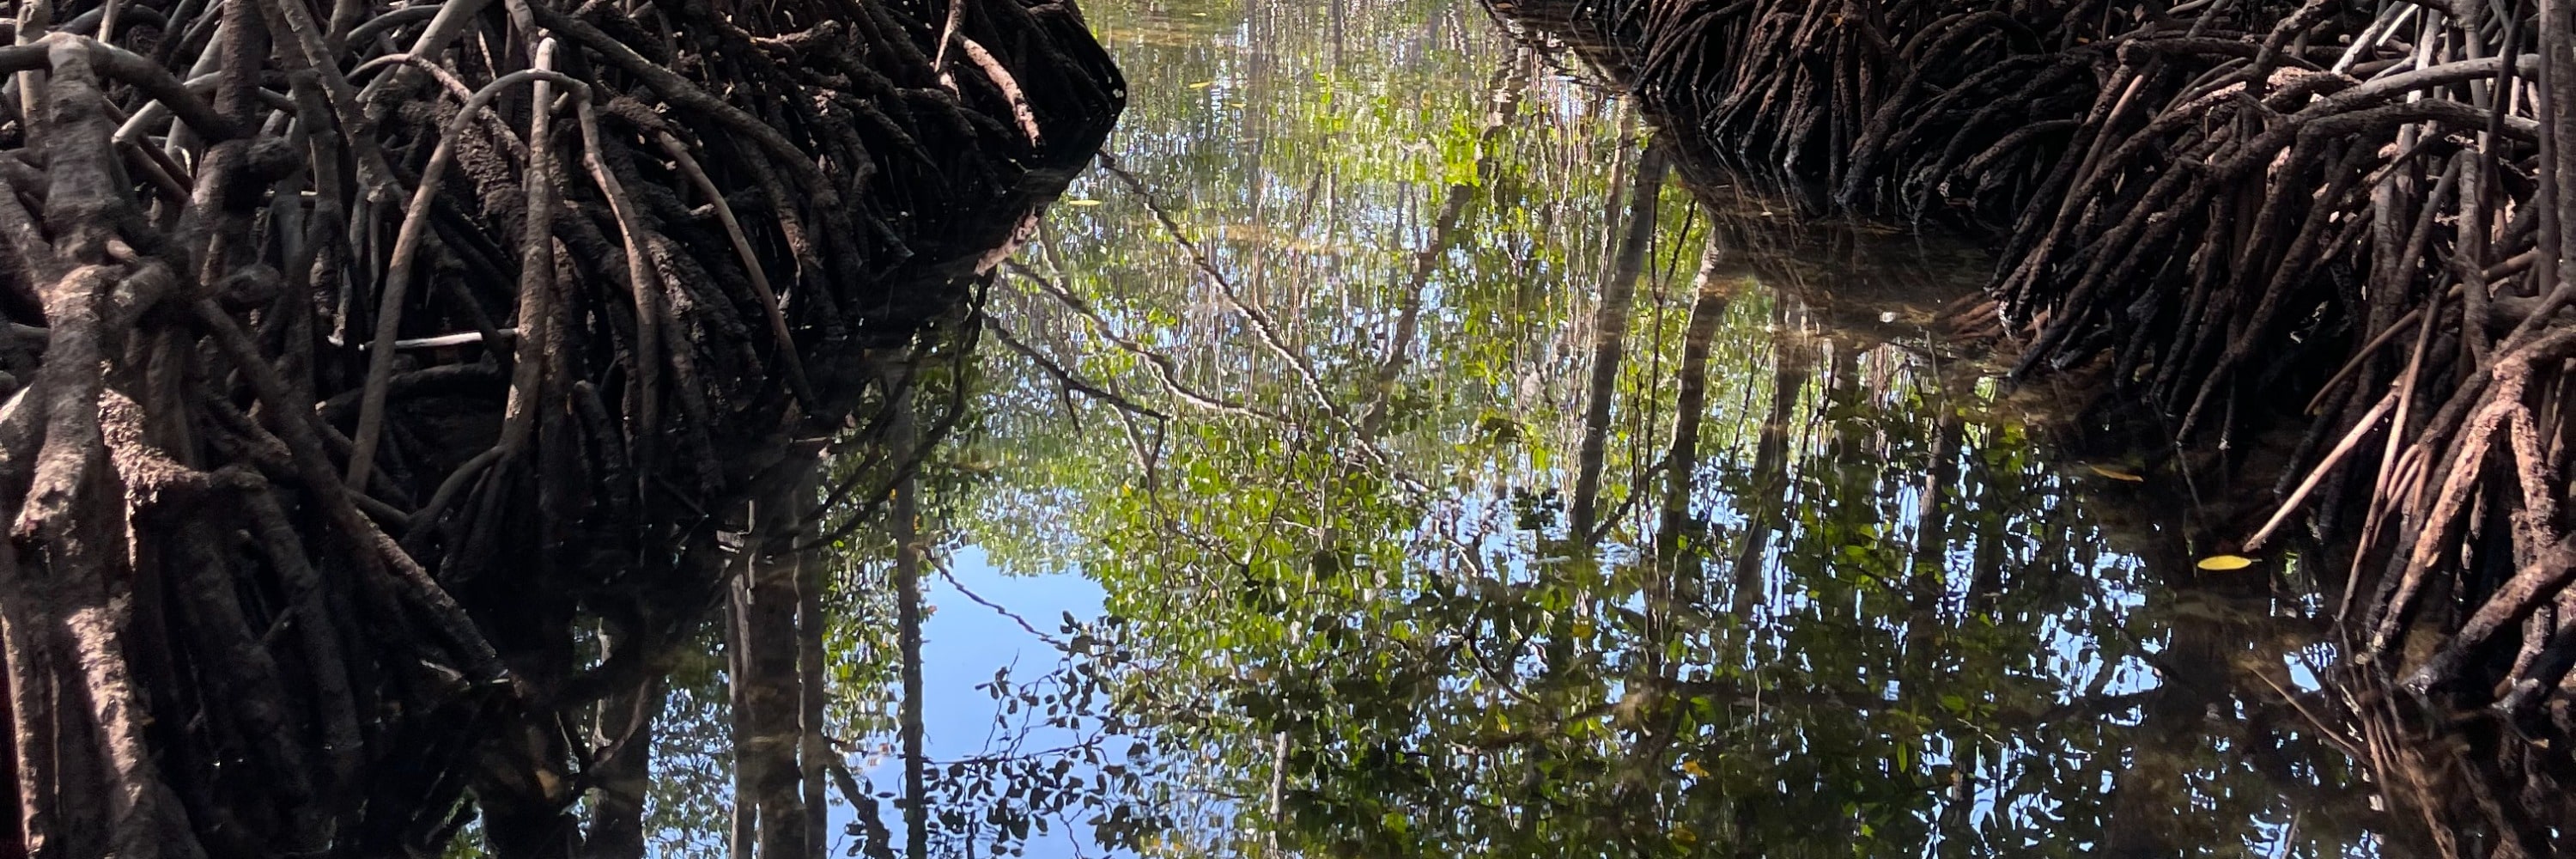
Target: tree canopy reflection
x=1459, y=484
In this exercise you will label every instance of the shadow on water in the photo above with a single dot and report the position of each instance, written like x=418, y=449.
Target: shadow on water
x=1380, y=456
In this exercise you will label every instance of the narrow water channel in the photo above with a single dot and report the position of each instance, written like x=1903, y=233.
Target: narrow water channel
x=1384, y=453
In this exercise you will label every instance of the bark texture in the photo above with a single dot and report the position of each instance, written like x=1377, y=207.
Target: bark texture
x=2350, y=220
x=377, y=379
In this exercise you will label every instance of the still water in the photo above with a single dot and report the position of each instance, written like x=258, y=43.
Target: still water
x=1385, y=454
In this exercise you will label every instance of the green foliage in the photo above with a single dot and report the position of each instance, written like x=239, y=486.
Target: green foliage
x=1351, y=620
x=1859, y=612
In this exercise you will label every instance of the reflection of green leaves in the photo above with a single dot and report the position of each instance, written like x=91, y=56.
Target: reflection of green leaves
x=1459, y=152
x=1361, y=609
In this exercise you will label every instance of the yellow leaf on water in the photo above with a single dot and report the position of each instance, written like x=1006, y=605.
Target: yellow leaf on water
x=1082, y=202
x=2223, y=563
x=1695, y=769
x=2116, y=474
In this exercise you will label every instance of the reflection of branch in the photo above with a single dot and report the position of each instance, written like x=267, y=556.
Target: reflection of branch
x=2324, y=731
x=1491, y=673
x=1068, y=379
x=1508, y=89
x=1627, y=504
x=1465, y=552
x=951, y=578
x=1147, y=458
x=863, y=809
x=1399, y=345
x=904, y=470
x=1262, y=324
x=1007, y=757
x=1165, y=369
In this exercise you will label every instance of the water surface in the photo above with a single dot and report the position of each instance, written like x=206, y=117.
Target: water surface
x=1326, y=493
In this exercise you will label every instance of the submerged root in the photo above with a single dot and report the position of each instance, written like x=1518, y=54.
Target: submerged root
x=2239, y=206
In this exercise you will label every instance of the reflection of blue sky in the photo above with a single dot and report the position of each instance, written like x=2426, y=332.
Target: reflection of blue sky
x=961, y=645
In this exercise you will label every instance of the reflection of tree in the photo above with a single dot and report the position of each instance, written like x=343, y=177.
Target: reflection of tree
x=1308, y=408
x=765, y=640
x=1610, y=332
x=904, y=525
x=1811, y=650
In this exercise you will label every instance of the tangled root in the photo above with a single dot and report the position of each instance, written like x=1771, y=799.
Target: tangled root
x=2236, y=208
x=378, y=378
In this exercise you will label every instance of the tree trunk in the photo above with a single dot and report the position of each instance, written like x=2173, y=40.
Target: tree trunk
x=770, y=722
x=1710, y=299
x=623, y=776
x=1610, y=335
x=903, y=433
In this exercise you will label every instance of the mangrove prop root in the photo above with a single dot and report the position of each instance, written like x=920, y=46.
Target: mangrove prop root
x=2367, y=208
x=363, y=355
